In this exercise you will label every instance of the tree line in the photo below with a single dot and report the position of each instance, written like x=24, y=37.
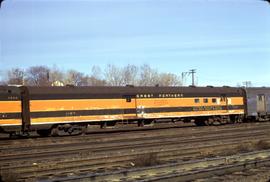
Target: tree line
x=111, y=75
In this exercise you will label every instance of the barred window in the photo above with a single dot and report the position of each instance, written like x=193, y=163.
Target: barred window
x=205, y=100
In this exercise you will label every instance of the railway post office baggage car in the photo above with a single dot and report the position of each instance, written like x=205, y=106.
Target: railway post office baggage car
x=49, y=110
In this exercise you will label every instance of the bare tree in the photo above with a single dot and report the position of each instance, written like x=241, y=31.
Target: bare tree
x=95, y=78
x=96, y=72
x=92, y=81
x=148, y=76
x=2, y=82
x=76, y=78
x=130, y=75
x=113, y=75
x=56, y=76
x=38, y=76
x=84, y=80
x=15, y=76
x=169, y=79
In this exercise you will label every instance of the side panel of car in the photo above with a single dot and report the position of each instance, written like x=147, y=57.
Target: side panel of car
x=258, y=102
x=10, y=109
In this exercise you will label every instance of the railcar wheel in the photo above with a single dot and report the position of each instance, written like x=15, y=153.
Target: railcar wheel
x=111, y=123
x=200, y=123
x=13, y=135
x=43, y=133
x=55, y=131
x=103, y=125
x=209, y=122
x=149, y=122
x=84, y=130
x=141, y=123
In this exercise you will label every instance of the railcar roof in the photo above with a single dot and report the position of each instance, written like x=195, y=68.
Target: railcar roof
x=9, y=89
x=130, y=90
x=258, y=90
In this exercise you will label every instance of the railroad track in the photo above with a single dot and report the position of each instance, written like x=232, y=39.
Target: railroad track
x=5, y=139
x=119, y=152
x=181, y=171
x=115, y=162
x=24, y=151
x=103, y=137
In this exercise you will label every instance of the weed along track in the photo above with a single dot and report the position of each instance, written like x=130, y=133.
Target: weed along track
x=182, y=171
x=136, y=155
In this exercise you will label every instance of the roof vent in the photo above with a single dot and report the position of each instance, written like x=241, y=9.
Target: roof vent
x=70, y=85
x=129, y=85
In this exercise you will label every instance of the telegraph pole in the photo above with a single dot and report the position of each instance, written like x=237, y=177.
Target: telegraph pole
x=192, y=72
x=247, y=84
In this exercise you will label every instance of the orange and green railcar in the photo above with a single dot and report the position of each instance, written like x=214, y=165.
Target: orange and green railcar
x=48, y=109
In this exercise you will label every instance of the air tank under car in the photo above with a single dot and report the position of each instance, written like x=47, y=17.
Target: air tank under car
x=258, y=103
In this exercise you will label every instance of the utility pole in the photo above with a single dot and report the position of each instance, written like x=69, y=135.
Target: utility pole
x=247, y=84
x=192, y=72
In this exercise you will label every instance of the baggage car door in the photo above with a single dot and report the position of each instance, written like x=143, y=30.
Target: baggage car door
x=129, y=112
x=261, y=103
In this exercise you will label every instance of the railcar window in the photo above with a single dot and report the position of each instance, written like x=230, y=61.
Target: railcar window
x=128, y=99
x=214, y=100
x=197, y=100
x=205, y=100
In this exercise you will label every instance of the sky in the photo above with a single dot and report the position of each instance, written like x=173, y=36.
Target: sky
x=226, y=41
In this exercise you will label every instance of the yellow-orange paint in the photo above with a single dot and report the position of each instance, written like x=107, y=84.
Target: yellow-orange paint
x=80, y=104
x=10, y=122
x=81, y=118
x=10, y=106
x=184, y=102
x=98, y=104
